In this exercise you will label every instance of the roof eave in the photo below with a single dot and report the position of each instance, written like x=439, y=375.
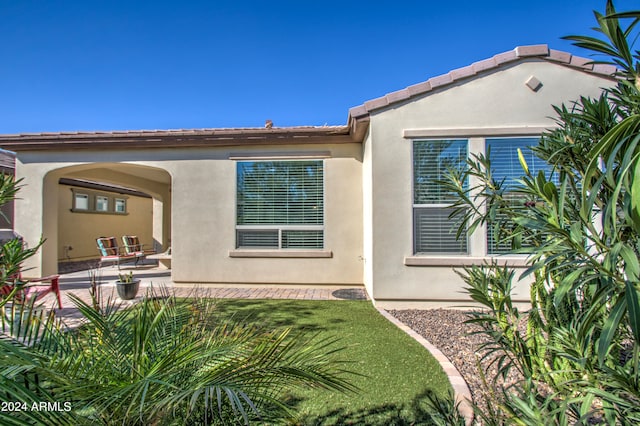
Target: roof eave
x=181, y=139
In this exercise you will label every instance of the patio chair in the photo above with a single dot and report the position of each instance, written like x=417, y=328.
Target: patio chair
x=35, y=291
x=131, y=244
x=11, y=251
x=110, y=252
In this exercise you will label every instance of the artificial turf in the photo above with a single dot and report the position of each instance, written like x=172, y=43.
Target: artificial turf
x=395, y=373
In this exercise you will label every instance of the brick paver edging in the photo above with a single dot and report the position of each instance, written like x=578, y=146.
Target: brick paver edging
x=461, y=391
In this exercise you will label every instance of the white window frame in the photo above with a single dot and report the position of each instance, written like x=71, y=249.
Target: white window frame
x=85, y=204
x=122, y=202
x=283, y=228
x=100, y=198
x=427, y=206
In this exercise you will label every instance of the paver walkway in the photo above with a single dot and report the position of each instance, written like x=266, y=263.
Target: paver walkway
x=79, y=284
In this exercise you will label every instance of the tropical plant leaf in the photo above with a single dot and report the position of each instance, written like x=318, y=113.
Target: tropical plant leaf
x=609, y=329
x=633, y=307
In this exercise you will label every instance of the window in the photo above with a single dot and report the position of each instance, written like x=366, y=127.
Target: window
x=506, y=166
x=280, y=204
x=102, y=204
x=120, y=205
x=81, y=201
x=87, y=201
x=434, y=232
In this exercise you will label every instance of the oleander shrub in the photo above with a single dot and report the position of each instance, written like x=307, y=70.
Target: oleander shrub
x=577, y=355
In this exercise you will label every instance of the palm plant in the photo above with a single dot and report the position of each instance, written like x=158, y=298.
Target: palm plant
x=168, y=361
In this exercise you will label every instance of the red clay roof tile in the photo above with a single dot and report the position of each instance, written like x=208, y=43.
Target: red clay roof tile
x=559, y=56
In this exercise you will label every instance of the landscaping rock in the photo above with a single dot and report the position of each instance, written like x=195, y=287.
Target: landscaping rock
x=446, y=329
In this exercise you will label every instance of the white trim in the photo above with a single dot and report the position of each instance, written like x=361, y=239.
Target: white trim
x=469, y=132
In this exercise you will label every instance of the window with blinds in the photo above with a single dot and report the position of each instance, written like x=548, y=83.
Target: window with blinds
x=280, y=204
x=434, y=232
x=506, y=166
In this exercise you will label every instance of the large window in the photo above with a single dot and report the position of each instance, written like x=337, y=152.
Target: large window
x=280, y=204
x=434, y=232
x=506, y=167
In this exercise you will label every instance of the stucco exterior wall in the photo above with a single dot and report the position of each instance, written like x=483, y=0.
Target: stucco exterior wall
x=474, y=109
x=79, y=230
x=203, y=192
x=367, y=213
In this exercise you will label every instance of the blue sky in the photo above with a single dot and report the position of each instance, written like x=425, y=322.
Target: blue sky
x=122, y=65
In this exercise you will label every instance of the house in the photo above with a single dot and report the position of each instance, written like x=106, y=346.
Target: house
x=352, y=204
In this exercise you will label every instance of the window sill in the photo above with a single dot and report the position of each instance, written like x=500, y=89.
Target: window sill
x=515, y=261
x=240, y=253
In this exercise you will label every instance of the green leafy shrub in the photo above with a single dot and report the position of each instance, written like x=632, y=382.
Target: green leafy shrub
x=577, y=356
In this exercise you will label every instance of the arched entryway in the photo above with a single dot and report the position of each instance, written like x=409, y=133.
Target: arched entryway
x=83, y=202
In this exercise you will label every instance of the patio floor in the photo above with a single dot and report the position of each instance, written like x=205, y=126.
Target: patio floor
x=79, y=284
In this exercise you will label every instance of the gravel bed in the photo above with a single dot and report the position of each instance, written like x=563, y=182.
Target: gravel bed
x=446, y=329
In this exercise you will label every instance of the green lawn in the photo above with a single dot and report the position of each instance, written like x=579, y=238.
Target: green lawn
x=396, y=372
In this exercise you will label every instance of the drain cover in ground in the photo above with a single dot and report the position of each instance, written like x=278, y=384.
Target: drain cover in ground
x=350, y=294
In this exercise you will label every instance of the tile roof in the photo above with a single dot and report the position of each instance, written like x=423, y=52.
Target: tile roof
x=179, y=138
x=179, y=132
x=540, y=51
